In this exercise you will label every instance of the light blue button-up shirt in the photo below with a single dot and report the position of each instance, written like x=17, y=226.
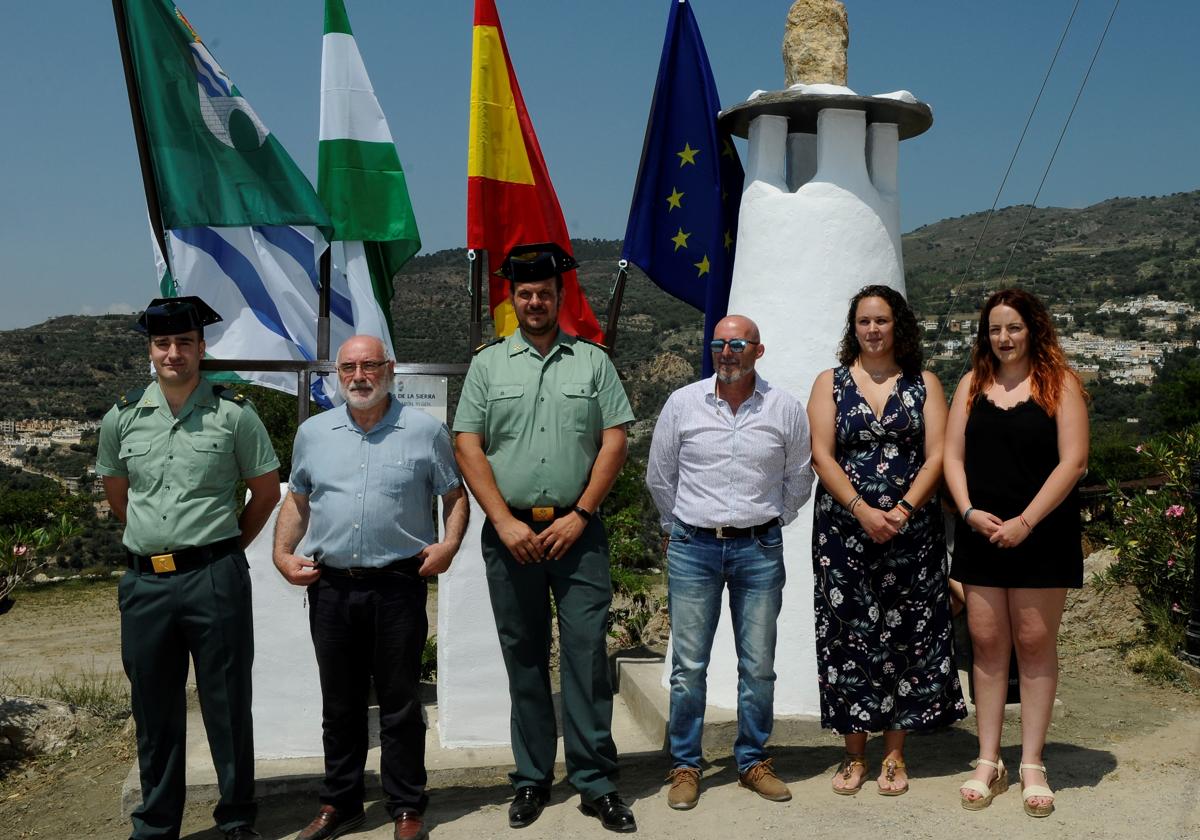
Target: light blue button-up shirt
x=371, y=493
x=710, y=467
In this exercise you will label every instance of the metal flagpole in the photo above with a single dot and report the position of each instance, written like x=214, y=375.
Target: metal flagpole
x=475, y=258
x=614, y=308
x=153, y=206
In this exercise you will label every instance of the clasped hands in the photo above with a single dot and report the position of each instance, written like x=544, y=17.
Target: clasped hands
x=880, y=525
x=1003, y=533
x=526, y=546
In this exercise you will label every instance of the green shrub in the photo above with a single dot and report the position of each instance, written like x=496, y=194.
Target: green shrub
x=429, y=660
x=1154, y=534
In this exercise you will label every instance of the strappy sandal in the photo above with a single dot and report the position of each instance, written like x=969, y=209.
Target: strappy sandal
x=890, y=766
x=846, y=768
x=1031, y=791
x=986, y=792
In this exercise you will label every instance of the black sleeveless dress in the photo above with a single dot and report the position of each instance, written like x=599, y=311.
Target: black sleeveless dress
x=1009, y=454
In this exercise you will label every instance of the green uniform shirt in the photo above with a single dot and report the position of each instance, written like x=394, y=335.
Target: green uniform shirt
x=541, y=418
x=182, y=470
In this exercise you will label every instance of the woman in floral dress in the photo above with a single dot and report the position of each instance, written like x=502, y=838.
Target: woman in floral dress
x=879, y=562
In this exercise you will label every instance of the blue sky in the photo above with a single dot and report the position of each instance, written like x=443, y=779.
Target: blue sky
x=74, y=235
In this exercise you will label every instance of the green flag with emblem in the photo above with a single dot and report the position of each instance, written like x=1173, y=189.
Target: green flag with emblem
x=215, y=161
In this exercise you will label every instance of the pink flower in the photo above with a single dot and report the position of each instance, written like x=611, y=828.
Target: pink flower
x=1175, y=608
x=1170, y=562
x=1175, y=511
x=20, y=550
x=1137, y=448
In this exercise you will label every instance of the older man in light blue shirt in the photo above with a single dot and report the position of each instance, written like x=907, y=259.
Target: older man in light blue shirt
x=729, y=466
x=361, y=496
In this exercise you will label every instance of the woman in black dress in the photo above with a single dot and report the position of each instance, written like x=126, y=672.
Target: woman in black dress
x=879, y=560
x=1016, y=445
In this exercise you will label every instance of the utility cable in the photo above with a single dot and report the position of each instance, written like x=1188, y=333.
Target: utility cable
x=987, y=221
x=1061, y=134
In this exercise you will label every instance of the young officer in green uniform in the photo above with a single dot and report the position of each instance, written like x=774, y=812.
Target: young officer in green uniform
x=541, y=438
x=170, y=456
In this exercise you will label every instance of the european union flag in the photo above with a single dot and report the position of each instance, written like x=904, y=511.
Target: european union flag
x=683, y=222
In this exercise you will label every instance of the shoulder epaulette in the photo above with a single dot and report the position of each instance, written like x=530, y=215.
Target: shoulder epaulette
x=603, y=347
x=487, y=344
x=226, y=394
x=130, y=398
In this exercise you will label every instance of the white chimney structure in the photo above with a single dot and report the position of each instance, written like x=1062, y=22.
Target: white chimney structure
x=819, y=219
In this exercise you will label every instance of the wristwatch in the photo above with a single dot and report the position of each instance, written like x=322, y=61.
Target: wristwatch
x=587, y=517
x=903, y=503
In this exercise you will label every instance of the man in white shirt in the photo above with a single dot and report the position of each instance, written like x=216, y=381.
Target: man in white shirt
x=729, y=466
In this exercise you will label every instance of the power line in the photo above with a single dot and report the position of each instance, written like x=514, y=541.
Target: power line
x=1061, y=134
x=988, y=219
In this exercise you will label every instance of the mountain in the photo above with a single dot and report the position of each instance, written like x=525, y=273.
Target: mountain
x=75, y=366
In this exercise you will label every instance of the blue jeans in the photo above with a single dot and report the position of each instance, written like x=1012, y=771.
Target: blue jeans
x=699, y=567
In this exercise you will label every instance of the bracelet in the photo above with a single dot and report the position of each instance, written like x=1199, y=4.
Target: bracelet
x=905, y=506
x=1028, y=527
x=967, y=514
x=853, y=502
x=585, y=515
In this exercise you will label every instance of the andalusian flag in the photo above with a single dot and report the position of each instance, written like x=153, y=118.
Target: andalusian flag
x=360, y=180
x=510, y=200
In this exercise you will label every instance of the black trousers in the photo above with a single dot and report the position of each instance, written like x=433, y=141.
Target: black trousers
x=204, y=615
x=364, y=628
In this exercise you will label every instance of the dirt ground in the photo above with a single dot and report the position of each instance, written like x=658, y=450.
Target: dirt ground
x=1122, y=755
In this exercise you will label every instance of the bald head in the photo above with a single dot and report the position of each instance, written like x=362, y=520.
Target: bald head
x=738, y=326
x=362, y=347
x=364, y=372
x=734, y=365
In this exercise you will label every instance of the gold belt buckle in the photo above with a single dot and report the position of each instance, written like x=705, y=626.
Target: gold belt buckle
x=162, y=563
x=543, y=514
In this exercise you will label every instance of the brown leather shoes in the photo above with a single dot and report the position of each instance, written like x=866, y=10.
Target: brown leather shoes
x=410, y=826
x=330, y=822
x=685, y=788
x=761, y=779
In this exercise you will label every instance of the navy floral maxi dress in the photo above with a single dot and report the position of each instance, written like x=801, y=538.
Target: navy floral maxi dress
x=884, y=656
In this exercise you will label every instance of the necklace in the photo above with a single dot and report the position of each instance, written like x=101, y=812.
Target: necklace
x=877, y=377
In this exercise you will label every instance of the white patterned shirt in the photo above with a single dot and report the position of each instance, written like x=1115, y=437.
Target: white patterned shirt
x=710, y=467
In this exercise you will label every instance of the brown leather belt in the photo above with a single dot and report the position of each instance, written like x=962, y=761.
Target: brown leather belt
x=181, y=559
x=726, y=532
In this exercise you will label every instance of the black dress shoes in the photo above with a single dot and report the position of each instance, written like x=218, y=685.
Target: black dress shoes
x=613, y=813
x=527, y=806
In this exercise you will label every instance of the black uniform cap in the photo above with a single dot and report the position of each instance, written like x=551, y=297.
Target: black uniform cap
x=171, y=316
x=540, y=261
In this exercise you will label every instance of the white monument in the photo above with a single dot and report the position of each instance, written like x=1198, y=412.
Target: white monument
x=819, y=219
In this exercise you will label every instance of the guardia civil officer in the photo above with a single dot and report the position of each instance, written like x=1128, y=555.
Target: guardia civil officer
x=170, y=456
x=541, y=438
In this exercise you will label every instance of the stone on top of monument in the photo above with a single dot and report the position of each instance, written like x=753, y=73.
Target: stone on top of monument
x=814, y=43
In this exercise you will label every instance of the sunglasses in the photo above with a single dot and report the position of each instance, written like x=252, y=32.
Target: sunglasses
x=737, y=345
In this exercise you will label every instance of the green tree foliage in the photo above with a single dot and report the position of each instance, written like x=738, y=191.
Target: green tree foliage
x=1154, y=533
x=1174, y=401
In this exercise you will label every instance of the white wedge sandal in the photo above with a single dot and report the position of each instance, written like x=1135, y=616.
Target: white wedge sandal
x=986, y=792
x=1030, y=791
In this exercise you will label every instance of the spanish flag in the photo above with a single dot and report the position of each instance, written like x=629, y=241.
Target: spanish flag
x=510, y=200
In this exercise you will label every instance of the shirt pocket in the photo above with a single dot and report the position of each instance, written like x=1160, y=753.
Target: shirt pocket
x=214, y=464
x=580, y=406
x=397, y=477
x=504, y=410
x=136, y=458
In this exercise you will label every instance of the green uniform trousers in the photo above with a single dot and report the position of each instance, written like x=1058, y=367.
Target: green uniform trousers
x=520, y=596
x=206, y=613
